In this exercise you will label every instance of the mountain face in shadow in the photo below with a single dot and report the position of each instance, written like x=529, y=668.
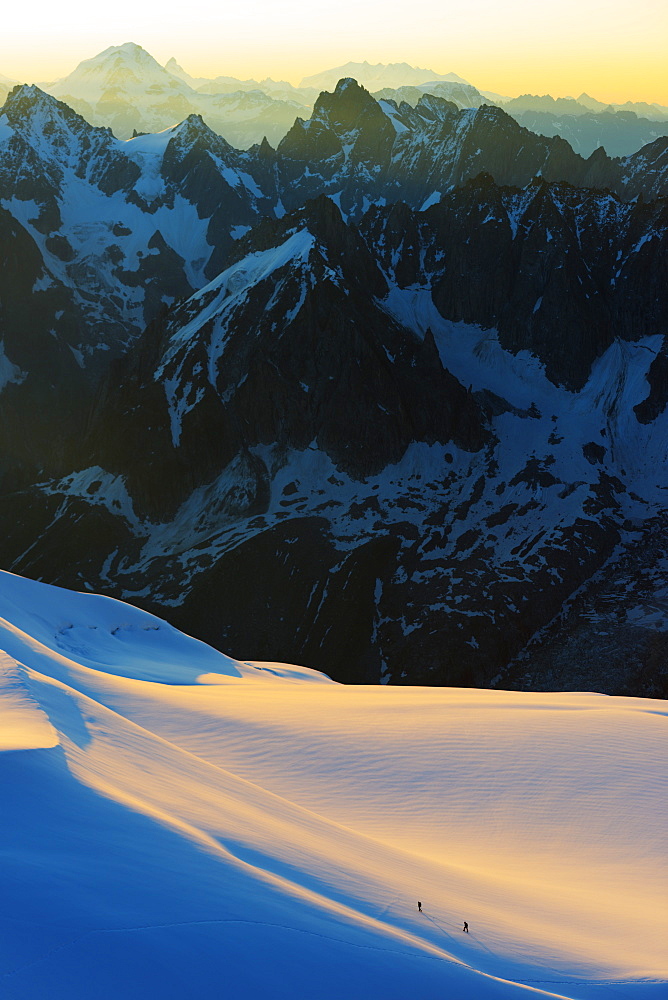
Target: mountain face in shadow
x=386, y=399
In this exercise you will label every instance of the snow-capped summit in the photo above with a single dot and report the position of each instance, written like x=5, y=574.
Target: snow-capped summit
x=126, y=88
x=126, y=66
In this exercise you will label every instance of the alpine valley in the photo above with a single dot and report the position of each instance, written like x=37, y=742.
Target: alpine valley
x=387, y=398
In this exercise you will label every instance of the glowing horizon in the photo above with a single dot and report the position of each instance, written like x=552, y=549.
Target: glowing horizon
x=614, y=52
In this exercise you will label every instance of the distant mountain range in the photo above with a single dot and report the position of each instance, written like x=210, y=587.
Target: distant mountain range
x=619, y=131
x=390, y=399
x=126, y=89
x=279, y=89
x=374, y=77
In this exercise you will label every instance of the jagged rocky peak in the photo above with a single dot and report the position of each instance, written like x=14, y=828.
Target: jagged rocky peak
x=347, y=119
x=556, y=270
x=194, y=130
x=27, y=103
x=323, y=219
x=265, y=150
x=343, y=107
x=334, y=241
x=310, y=141
x=48, y=127
x=194, y=123
x=436, y=108
x=491, y=116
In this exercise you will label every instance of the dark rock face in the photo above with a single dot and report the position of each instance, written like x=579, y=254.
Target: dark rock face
x=297, y=354
x=557, y=272
x=387, y=442
x=310, y=599
x=39, y=325
x=615, y=627
x=656, y=401
x=645, y=173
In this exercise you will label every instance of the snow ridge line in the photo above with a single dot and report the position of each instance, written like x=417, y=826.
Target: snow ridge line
x=592, y=982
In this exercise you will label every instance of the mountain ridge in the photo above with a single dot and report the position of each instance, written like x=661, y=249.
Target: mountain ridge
x=467, y=324
x=143, y=96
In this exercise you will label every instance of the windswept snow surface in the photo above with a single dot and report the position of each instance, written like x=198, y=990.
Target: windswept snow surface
x=178, y=824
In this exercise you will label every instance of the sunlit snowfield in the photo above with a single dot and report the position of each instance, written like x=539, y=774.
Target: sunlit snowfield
x=177, y=824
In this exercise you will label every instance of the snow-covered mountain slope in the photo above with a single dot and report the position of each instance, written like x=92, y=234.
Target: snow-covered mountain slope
x=97, y=235
x=163, y=801
x=126, y=226
x=294, y=308
x=127, y=68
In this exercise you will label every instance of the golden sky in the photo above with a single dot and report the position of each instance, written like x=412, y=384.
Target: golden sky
x=614, y=50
